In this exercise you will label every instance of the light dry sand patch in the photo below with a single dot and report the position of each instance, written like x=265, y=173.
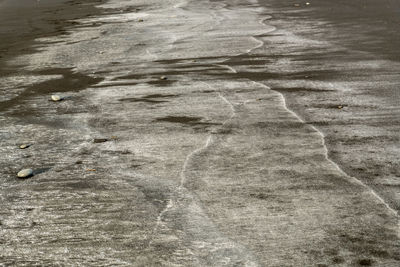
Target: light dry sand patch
x=202, y=169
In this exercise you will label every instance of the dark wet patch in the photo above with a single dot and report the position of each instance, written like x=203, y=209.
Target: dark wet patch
x=365, y=262
x=154, y=98
x=180, y=119
x=69, y=82
x=247, y=90
x=200, y=60
x=159, y=96
x=100, y=140
x=134, y=99
x=161, y=82
x=279, y=126
x=262, y=196
x=300, y=89
x=225, y=131
x=155, y=78
x=36, y=19
x=182, y=66
x=338, y=260
x=117, y=152
x=380, y=253
x=328, y=106
x=186, y=120
x=114, y=84
x=208, y=91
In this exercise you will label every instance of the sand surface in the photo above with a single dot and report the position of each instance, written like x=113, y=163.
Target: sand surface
x=268, y=141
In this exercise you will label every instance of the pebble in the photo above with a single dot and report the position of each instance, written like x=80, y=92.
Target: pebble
x=56, y=98
x=163, y=78
x=25, y=173
x=23, y=146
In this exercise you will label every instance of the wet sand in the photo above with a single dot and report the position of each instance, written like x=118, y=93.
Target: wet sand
x=211, y=166
x=347, y=84
x=21, y=22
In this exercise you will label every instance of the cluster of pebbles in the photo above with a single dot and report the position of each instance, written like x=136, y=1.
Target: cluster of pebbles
x=27, y=173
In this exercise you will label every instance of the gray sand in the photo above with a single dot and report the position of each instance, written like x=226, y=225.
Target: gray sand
x=209, y=167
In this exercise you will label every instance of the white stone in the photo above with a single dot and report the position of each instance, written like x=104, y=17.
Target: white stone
x=56, y=98
x=25, y=173
x=23, y=146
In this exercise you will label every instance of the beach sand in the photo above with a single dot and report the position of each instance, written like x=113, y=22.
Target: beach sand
x=196, y=133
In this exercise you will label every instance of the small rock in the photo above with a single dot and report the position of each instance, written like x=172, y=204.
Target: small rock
x=339, y=107
x=56, y=98
x=25, y=173
x=79, y=162
x=23, y=146
x=163, y=78
x=100, y=140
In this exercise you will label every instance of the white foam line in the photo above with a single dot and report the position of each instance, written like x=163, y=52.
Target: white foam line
x=180, y=5
x=370, y=190
x=261, y=21
x=230, y=105
x=170, y=205
x=151, y=54
x=208, y=140
x=357, y=181
x=260, y=44
x=189, y=157
x=225, y=66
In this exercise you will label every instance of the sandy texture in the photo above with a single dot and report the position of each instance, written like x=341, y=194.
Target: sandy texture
x=207, y=167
